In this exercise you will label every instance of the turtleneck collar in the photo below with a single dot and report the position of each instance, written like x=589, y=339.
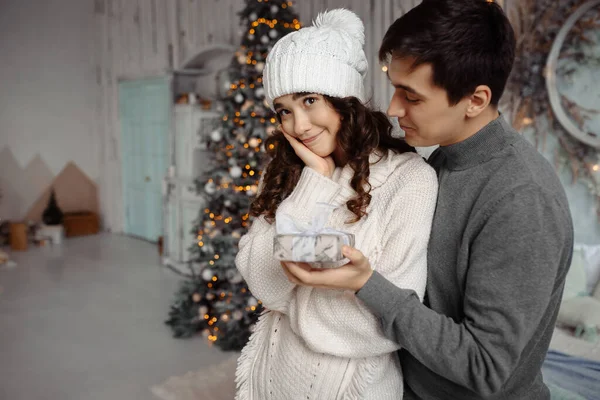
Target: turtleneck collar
x=480, y=147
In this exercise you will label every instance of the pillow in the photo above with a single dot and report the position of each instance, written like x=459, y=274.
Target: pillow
x=591, y=256
x=582, y=313
x=596, y=293
x=558, y=393
x=575, y=281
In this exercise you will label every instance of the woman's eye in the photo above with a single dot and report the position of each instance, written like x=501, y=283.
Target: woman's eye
x=411, y=100
x=310, y=100
x=282, y=113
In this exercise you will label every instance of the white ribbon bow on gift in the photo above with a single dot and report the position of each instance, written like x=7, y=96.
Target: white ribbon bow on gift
x=285, y=225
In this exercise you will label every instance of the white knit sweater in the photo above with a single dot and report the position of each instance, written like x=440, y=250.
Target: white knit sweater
x=324, y=344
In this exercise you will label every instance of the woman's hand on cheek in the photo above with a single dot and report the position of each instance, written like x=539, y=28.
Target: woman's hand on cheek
x=323, y=165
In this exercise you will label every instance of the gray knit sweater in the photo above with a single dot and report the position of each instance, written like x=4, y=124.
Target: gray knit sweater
x=500, y=247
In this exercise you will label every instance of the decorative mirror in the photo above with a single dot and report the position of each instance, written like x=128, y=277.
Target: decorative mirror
x=573, y=74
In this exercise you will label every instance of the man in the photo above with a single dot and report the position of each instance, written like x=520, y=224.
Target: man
x=502, y=235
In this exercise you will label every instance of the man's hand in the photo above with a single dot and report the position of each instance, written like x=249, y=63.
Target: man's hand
x=351, y=276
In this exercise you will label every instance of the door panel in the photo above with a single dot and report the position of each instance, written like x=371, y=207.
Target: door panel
x=145, y=114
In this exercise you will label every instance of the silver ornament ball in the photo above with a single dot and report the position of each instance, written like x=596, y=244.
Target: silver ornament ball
x=207, y=274
x=235, y=172
x=216, y=135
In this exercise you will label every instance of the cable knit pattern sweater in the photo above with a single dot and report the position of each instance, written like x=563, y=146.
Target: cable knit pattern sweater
x=324, y=344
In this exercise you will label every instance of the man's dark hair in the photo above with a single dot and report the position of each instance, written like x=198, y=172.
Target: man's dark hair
x=467, y=42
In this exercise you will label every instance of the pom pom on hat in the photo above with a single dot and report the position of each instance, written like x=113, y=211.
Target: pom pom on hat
x=325, y=58
x=343, y=20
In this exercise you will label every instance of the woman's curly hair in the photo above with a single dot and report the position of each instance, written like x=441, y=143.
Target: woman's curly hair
x=362, y=131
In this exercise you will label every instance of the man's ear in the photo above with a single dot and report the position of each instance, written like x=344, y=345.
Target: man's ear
x=479, y=100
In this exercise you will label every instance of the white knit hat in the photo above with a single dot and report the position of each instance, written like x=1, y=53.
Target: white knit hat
x=326, y=58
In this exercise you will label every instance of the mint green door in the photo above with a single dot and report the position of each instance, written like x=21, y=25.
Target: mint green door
x=144, y=107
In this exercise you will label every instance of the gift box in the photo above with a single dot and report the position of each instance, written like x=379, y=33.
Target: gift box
x=312, y=243
x=319, y=248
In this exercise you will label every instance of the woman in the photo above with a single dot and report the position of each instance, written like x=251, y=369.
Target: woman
x=318, y=343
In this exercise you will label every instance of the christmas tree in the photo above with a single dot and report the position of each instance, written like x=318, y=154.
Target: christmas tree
x=216, y=302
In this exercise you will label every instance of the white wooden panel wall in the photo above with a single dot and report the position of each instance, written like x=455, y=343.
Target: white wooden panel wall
x=138, y=38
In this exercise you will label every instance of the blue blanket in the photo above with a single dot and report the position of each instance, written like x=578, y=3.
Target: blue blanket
x=564, y=373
